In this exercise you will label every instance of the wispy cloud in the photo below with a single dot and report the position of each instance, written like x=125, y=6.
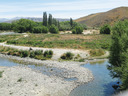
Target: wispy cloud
x=63, y=9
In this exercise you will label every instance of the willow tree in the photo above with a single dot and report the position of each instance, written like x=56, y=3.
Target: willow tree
x=119, y=53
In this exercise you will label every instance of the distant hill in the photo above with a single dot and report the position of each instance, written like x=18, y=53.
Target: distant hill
x=109, y=17
x=3, y=19
x=30, y=18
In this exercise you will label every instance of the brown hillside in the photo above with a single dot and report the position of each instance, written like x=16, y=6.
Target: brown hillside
x=109, y=17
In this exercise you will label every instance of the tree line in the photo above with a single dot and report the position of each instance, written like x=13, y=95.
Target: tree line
x=49, y=24
x=119, y=53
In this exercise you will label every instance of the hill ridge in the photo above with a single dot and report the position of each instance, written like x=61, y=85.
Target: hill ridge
x=108, y=17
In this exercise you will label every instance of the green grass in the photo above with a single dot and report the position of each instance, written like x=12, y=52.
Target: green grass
x=4, y=38
x=37, y=54
x=64, y=41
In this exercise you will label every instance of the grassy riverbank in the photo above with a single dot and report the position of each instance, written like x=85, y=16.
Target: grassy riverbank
x=36, y=54
x=70, y=41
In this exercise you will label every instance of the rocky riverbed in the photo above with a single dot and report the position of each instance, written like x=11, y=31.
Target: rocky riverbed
x=24, y=81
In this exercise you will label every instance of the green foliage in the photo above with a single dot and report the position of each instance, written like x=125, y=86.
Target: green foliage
x=4, y=38
x=96, y=52
x=65, y=26
x=20, y=80
x=24, y=53
x=77, y=30
x=41, y=29
x=62, y=41
x=71, y=22
x=37, y=54
x=32, y=54
x=50, y=20
x=1, y=72
x=5, y=26
x=53, y=29
x=81, y=60
x=69, y=25
x=23, y=25
x=67, y=56
x=54, y=22
x=45, y=19
x=105, y=29
x=48, y=54
x=119, y=53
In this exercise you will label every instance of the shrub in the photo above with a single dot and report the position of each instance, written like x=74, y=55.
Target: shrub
x=67, y=56
x=24, y=53
x=77, y=57
x=97, y=52
x=77, y=30
x=105, y=29
x=1, y=72
x=81, y=60
x=38, y=52
x=32, y=54
x=53, y=29
x=48, y=54
x=73, y=31
x=39, y=29
x=20, y=80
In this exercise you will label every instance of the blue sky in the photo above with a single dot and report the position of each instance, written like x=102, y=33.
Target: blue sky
x=58, y=8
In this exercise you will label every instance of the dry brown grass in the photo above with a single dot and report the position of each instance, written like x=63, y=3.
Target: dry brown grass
x=109, y=17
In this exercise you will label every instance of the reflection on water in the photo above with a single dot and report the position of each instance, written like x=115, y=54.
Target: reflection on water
x=100, y=86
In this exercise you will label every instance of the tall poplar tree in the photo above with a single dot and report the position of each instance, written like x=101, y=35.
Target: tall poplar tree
x=54, y=22
x=50, y=20
x=71, y=22
x=45, y=19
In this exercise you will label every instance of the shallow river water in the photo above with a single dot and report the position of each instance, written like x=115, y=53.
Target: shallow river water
x=102, y=83
x=100, y=86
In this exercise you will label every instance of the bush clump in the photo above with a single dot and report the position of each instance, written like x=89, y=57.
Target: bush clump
x=48, y=54
x=77, y=30
x=39, y=29
x=24, y=53
x=32, y=54
x=37, y=54
x=105, y=29
x=96, y=52
x=53, y=29
x=67, y=56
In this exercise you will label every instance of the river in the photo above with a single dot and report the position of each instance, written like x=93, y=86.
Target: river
x=100, y=86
